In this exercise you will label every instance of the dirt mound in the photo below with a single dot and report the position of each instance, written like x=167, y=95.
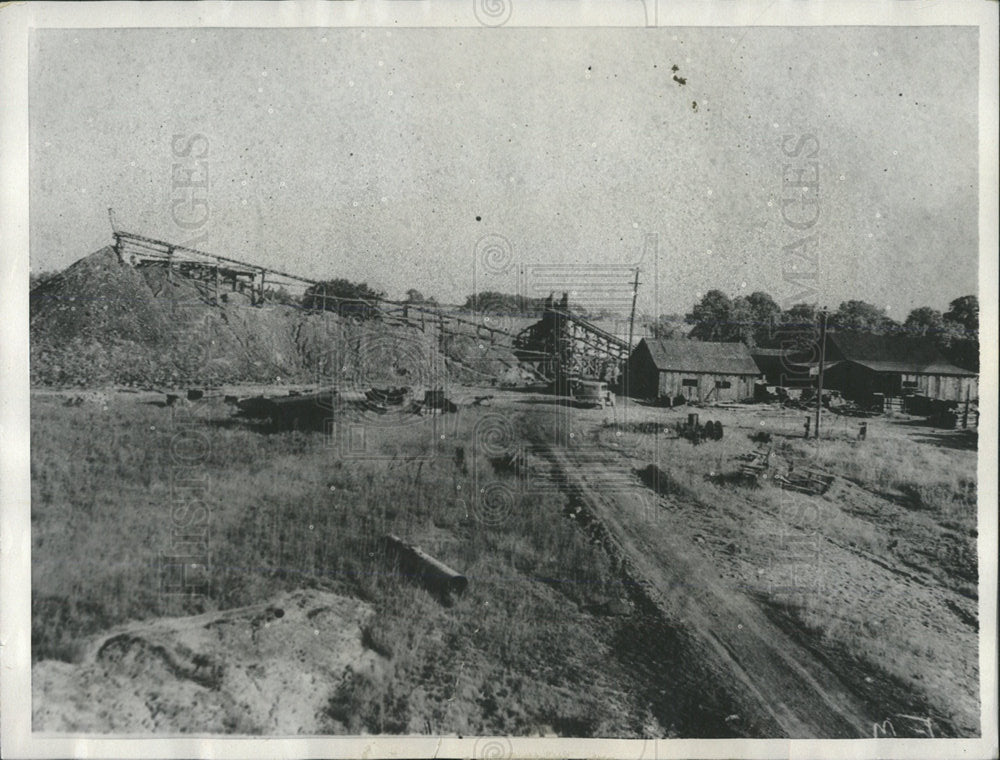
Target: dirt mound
x=267, y=668
x=98, y=298
x=105, y=322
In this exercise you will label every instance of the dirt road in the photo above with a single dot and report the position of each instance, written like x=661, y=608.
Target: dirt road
x=778, y=684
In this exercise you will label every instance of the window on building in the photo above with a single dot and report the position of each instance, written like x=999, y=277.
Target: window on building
x=909, y=383
x=690, y=382
x=723, y=384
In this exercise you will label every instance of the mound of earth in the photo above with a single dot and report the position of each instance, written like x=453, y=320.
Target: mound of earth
x=103, y=321
x=268, y=668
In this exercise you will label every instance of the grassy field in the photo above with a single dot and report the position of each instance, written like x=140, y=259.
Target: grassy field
x=286, y=511
x=890, y=593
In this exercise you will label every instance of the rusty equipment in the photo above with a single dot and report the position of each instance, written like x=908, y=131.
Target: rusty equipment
x=433, y=574
x=696, y=433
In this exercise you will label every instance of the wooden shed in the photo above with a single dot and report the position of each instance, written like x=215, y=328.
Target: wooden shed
x=860, y=365
x=696, y=370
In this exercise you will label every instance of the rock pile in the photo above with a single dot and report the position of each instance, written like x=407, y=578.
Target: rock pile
x=105, y=322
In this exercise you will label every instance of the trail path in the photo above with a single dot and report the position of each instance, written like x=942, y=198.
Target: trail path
x=775, y=679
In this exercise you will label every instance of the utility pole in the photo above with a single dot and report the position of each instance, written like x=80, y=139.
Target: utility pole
x=631, y=319
x=822, y=361
x=631, y=336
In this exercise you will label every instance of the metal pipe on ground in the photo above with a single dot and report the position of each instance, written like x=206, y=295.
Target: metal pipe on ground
x=431, y=572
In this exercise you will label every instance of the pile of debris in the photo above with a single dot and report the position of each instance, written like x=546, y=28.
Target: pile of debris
x=314, y=411
x=756, y=465
x=760, y=465
x=383, y=399
x=810, y=481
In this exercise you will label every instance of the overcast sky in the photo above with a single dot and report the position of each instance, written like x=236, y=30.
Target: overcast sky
x=369, y=154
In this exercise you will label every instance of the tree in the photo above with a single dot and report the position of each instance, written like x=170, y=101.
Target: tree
x=414, y=296
x=766, y=315
x=349, y=299
x=860, y=316
x=280, y=295
x=711, y=317
x=961, y=332
x=749, y=319
x=964, y=311
x=666, y=327
x=493, y=302
x=924, y=321
x=742, y=323
x=798, y=328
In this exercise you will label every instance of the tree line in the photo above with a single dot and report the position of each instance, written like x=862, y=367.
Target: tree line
x=757, y=321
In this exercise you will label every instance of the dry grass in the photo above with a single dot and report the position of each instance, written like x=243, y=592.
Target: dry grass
x=934, y=478
x=286, y=511
x=514, y=654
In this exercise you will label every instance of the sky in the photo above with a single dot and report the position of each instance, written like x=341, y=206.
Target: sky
x=393, y=156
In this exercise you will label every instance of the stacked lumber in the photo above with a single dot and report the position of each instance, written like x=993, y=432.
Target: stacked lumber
x=755, y=467
x=809, y=481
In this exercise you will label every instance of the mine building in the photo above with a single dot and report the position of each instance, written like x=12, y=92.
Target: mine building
x=779, y=367
x=697, y=370
x=862, y=366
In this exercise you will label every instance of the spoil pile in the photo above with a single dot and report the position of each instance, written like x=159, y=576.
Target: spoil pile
x=105, y=322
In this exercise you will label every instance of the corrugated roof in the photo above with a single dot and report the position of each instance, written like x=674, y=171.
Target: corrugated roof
x=701, y=357
x=894, y=353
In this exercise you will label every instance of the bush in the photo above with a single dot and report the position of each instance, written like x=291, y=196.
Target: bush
x=348, y=299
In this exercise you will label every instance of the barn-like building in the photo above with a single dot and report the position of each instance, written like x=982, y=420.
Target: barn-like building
x=780, y=367
x=696, y=370
x=860, y=365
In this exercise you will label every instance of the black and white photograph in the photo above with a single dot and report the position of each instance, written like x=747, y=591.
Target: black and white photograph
x=474, y=382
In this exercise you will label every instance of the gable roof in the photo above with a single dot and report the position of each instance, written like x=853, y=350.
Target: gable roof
x=701, y=357
x=893, y=353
